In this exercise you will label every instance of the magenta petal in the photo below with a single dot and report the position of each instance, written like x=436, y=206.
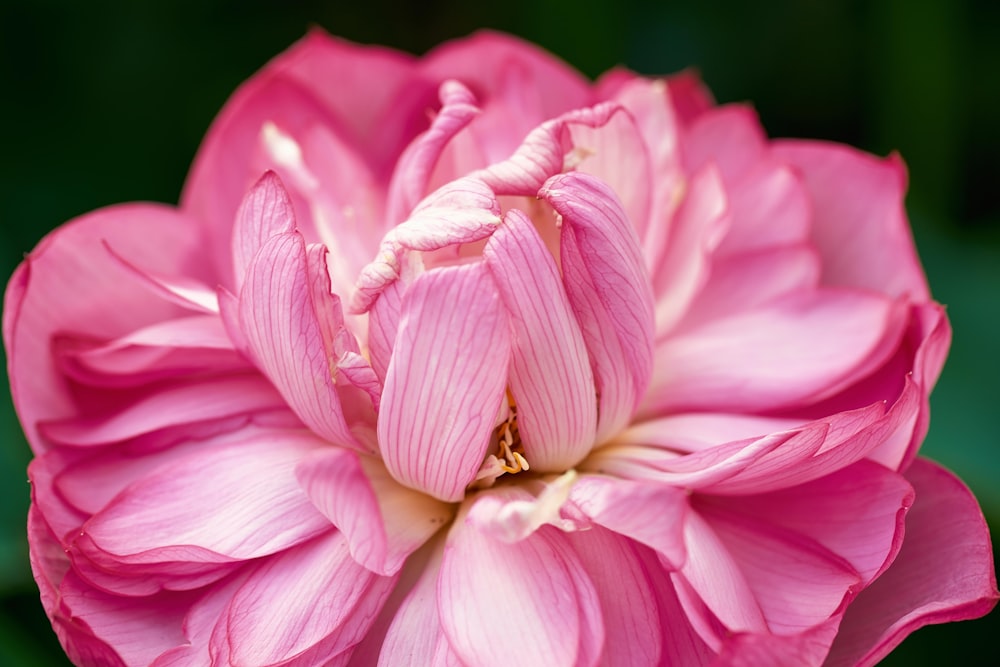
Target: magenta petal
x=859, y=222
x=550, y=375
x=280, y=317
x=550, y=599
x=446, y=380
x=943, y=573
x=313, y=597
x=608, y=287
x=382, y=521
x=265, y=211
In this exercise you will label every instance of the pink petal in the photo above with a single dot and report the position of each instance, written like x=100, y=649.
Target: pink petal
x=552, y=602
x=415, y=165
x=609, y=290
x=446, y=380
x=680, y=262
x=730, y=137
x=187, y=292
x=794, y=581
x=859, y=223
x=802, y=348
x=463, y=211
x=382, y=521
x=943, y=573
x=186, y=346
x=280, y=312
x=652, y=514
x=805, y=648
x=856, y=513
x=239, y=500
x=550, y=375
x=311, y=598
x=265, y=212
x=415, y=635
x=42, y=298
x=633, y=635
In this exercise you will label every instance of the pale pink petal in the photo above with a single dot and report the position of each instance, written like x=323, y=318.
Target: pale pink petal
x=415, y=635
x=446, y=380
x=313, y=598
x=43, y=296
x=264, y=212
x=633, y=635
x=679, y=263
x=511, y=514
x=609, y=290
x=463, y=211
x=537, y=585
x=382, y=521
x=280, y=317
x=652, y=514
x=805, y=347
x=236, y=501
x=414, y=167
x=550, y=375
x=859, y=223
x=943, y=573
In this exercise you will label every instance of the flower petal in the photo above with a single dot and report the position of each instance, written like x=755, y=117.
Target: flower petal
x=859, y=222
x=288, y=334
x=609, y=290
x=804, y=347
x=550, y=376
x=313, y=598
x=446, y=380
x=382, y=521
x=547, y=597
x=265, y=212
x=238, y=500
x=944, y=572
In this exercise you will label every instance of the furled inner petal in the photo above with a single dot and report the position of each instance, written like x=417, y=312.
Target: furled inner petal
x=550, y=375
x=446, y=380
x=609, y=290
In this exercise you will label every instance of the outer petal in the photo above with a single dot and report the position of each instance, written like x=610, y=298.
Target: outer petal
x=550, y=377
x=284, y=327
x=445, y=382
x=609, y=289
x=550, y=603
x=237, y=501
x=42, y=298
x=859, y=224
x=799, y=349
x=944, y=572
x=313, y=598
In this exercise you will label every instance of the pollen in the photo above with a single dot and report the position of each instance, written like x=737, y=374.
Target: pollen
x=508, y=457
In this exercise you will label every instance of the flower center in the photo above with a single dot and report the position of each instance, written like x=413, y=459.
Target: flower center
x=508, y=454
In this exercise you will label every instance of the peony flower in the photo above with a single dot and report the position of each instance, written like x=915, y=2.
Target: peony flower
x=464, y=360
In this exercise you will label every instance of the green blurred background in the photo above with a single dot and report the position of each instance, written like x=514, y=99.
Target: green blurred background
x=105, y=102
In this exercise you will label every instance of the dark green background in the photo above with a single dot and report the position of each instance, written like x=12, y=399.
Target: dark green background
x=104, y=102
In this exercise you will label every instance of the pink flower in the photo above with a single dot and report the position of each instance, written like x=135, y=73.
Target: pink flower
x=463, y=360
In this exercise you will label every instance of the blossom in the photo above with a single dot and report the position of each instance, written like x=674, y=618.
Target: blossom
x=465, y=360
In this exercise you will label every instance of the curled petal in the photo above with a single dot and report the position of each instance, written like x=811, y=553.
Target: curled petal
x=608, y=287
